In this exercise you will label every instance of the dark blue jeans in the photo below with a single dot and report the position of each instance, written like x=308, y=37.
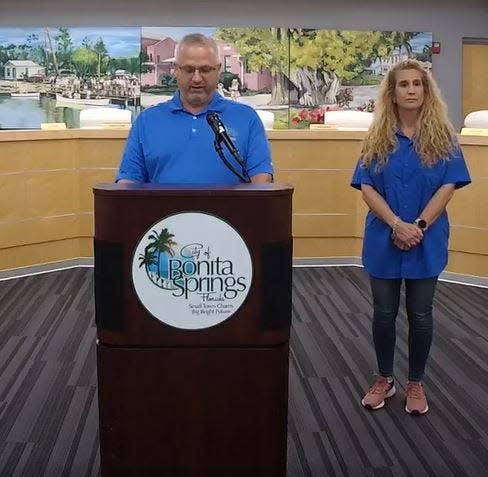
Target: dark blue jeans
x=386, y=300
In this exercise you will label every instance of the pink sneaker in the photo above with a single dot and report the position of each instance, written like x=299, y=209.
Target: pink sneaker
x=381, y=389
x=416, y=402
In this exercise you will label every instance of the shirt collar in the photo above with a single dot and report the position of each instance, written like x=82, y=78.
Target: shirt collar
x=217, y=104
x=400, y=133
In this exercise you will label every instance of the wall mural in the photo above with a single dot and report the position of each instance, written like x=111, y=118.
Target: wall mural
x=50, y=74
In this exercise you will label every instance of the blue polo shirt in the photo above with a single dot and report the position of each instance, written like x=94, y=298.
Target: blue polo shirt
x=407, y=186
x=167, y=144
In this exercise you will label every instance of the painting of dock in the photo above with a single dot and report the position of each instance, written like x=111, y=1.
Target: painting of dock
x=63, y=70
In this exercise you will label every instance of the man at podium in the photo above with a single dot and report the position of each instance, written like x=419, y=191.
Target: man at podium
x=197, y=136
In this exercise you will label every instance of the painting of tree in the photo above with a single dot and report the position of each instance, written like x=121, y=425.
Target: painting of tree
x=64, y=48
x=321, y=59
x=311, y=63
x=313, y=68
x=264, y=48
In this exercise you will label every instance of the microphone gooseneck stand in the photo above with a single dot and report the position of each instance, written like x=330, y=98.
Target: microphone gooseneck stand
x=221, y=136
x=244, y=176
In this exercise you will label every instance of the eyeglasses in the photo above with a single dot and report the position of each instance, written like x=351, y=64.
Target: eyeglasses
x=202, y=70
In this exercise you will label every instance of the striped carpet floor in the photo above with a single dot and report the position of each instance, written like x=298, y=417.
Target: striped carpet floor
x=48, y=399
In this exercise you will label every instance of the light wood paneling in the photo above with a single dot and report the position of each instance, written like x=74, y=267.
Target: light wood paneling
x=51, y=193
x=469, y=206
x=322, y=247
x=86, y=247
x=469, y=240
x=87, y=179
x=468, y=263
x=477, y=159
x=13, y=197
x=46, y=199
x=24, y=156
x=38, y=230
x=325, y=191
x=320, y=155
x=86, y=224
x=475, y=78
x=38, y=194
x=99, y=153
x=324, y=225
x=39, y=253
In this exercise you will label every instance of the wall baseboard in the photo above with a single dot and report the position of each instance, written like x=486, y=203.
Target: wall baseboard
x=451, y=277
x=312, y=262
x=46, y=268
x=327, y=262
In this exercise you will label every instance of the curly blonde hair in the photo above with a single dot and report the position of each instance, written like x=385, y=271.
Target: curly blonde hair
x=434, y=138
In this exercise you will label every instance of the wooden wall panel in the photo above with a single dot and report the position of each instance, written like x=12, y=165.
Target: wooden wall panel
x=475, y=76
x=468, y=263
x=320, y=191
x=86, y=225
x=39, y=253
x=324, y=225
x=50, y=193
x=327, y=247
x=86, y=247
x=46, y=199
x=325, y=154
x=38, y=230
x=469, y=206
x=100, y=153
x=23, y=156
x=13, y=194
x=87, y=179
x=469, y=240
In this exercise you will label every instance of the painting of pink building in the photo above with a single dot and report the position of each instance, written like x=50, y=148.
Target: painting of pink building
x=160, y=61
x=160, y=58
x=233, y=63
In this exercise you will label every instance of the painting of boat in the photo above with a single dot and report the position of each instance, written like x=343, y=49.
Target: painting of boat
x=62, y=100
x=25, y=95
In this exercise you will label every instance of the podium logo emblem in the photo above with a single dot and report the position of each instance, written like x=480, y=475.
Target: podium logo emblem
x=191, y=270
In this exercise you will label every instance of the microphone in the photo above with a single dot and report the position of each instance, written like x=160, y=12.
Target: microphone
x=218, y=128
x=221, y=135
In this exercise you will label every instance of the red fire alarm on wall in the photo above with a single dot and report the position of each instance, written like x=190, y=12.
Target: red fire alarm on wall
x=436, y=47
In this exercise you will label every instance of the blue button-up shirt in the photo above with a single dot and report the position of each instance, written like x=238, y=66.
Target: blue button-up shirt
x=407, y=186
x=167, y=144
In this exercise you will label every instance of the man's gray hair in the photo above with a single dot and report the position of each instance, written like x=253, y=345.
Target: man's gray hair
x=198, y=39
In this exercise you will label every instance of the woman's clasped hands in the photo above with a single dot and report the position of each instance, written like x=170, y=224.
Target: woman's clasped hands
x=406, y=235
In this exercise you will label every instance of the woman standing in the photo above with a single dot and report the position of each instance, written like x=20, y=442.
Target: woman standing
x=410, y=166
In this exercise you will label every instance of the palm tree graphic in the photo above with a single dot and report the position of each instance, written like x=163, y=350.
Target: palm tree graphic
x=159, y=243
x=148, y=258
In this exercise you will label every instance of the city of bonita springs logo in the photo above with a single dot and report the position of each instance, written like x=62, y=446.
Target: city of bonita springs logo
x=191, y=270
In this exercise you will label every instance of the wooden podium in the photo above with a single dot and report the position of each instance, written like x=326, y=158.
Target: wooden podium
x=210, y=401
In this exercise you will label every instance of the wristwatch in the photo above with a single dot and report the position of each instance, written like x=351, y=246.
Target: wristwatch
x=420, y=223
